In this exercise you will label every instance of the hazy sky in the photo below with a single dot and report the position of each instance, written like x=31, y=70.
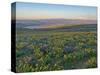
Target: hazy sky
x=46, y=11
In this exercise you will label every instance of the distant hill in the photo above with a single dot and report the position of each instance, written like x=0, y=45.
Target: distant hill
x=50, y=22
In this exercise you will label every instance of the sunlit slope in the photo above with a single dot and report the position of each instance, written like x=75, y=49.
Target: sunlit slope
x=66, y=27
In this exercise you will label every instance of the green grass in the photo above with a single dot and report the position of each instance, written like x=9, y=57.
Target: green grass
x=55, y=50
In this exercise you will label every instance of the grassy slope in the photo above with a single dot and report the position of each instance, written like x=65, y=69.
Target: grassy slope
x=81, y=51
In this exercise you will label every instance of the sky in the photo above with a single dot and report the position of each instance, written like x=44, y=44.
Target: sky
x=32, y=11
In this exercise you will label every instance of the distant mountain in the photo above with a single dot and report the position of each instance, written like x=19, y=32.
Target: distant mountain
x=48, y=22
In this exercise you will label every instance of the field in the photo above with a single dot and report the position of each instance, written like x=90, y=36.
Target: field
x=62, y=48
